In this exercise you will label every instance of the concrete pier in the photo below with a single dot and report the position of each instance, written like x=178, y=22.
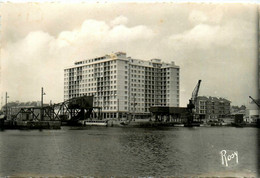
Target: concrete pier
x=8, y=124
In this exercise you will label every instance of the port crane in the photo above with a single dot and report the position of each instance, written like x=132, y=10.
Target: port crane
x=192, y=103
x=257, y=103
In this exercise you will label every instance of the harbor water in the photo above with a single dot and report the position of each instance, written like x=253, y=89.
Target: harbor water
x=115, y=151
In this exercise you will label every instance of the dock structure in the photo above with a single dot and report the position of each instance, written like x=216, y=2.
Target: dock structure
x=52, y=116
x=33, y=118
x=34, y=114
x=75, y=109
x=170, y=114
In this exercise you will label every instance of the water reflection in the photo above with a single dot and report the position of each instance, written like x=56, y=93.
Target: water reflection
x=124, y=151
x=148, y=150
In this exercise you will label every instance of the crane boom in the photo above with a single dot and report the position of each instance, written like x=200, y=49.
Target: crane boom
x=195, y=92
x=254, y=101
x=192, y=102
x=194, y=96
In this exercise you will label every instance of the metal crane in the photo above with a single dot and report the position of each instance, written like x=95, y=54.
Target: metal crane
x=192, y=102
x=255, y=101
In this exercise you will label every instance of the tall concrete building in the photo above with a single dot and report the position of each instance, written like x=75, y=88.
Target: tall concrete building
x=122, y=85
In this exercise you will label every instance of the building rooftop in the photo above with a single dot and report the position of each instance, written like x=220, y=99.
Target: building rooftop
x=213, y=98
x=122, y=55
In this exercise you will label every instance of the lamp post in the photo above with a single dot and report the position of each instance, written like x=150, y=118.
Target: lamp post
x=6, y=108
x=42, y=93
x=134, y=109
x=117, y=108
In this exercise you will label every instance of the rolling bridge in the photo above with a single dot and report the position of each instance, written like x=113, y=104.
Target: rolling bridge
x=70, y=111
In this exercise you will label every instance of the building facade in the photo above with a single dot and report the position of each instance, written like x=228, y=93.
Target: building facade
x=252, y=115
x=212, y=107
x=122, y=85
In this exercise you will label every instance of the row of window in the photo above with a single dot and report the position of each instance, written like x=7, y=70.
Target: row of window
x=112, y=84
x=148, y=93
x=213, y=112
x=97, y=64
x=101, y=70
x=142, y=103
x=91, y=75
x=107, y=108
x=135, y=66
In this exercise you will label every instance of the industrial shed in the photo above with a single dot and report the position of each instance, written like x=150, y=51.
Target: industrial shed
x=169, y=114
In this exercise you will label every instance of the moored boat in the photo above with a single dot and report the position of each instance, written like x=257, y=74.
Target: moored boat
x=95, y=122
x=193, y=124
x=178, y=125
x=205, y=125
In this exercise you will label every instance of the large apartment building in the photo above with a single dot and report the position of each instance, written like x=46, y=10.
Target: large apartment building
x=212, y=107
x=122, y=85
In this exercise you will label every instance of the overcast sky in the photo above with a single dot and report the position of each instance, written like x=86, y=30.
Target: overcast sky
x=216, y=43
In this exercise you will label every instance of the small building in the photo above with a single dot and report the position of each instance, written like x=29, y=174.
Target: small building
x=239, y=118
x=212, y=107
x=169, y=114
x=252, y=115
